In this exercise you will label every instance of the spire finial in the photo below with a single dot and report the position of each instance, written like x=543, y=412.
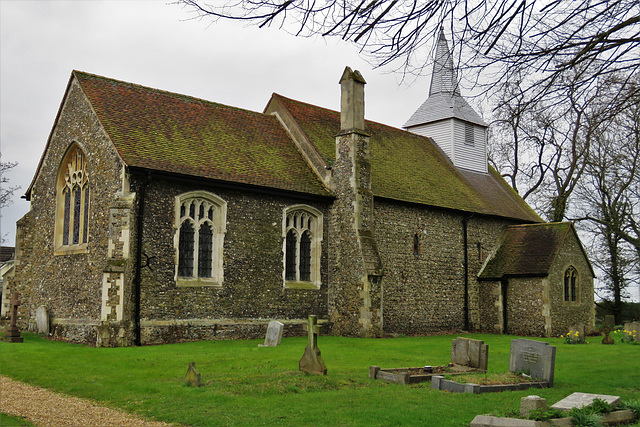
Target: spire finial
x=444, y=78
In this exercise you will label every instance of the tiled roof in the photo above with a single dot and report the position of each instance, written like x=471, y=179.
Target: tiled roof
x=526, y=250
x=174, y=133
x=410, y=167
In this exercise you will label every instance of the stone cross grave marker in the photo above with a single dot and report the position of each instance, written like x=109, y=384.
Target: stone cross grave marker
x=579, y=400
x=274, y=334
x=311, y=361
x=42, y=320
x=469, y=353
x=193, y=376
x=13, y=333
x=606, y=330
x=535, y=358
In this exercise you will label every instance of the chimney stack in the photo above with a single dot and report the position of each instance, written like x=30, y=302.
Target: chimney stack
x=352, y=100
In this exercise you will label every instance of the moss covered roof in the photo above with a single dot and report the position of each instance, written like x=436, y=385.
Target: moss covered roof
x=526, y=250
x=178, y=134
x=409, y=167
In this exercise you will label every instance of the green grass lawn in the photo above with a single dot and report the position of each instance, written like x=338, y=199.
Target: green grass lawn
x=248, y=385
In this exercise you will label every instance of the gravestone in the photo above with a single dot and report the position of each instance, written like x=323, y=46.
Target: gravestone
x=469, y=353
x=610, y=320
x=311, y=361
x=274, y=334
x=535, y=358
x=579, y=400
x=580, y=337
x=13, y=333
x=42, y=320
x=634, y=329
x=532, y=403
x=193, y=376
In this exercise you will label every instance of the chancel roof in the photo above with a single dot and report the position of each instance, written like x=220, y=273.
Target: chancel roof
x=173, y=133
x=527, y=250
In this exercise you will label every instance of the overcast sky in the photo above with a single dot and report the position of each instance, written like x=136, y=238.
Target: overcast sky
x=158, y=44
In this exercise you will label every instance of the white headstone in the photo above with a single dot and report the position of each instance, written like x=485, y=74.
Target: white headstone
x=274, y=334
x=42, y=320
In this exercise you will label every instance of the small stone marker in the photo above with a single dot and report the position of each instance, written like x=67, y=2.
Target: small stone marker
x=193, y=376
x=606, y=330
x=578, y=400
x=311, y=361
x=469, y=353
x=274, y=334
x=535, y=358
x=13, y=333
x=42, y=320
x=610, y=320
x=579, y=329
x=532, y=403
x=634, y=329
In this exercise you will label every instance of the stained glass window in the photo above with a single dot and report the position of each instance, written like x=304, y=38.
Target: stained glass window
x=185, y=263
x=290, y=267
x=305, y=256
x=570, y=285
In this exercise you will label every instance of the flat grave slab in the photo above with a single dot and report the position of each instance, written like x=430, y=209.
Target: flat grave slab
x=579, y=400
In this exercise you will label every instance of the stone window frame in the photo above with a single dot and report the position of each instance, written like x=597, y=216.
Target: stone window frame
x=571, y=291
x=218, y=221
x=312, y=221
x=73, y=194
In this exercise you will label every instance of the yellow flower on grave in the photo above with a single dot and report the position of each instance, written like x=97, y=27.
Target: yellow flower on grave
x=561, y=336
x=577, y=333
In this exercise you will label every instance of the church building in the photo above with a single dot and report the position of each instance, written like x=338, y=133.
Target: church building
x=157, y=217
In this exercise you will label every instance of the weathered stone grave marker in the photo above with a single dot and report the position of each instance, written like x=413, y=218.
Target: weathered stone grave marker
x=532, y=403
x=633, y=329
x=274, y=334
x=311, y=361
x=13, y=333
x=469, y=354
x=577, y=333
x=193, y=376
x=579, y=400
x=535, y=358
x=42, y=320
x=610, y=320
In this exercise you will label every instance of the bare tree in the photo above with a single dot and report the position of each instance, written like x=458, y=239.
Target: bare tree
x=541, y=145
x=507, y=37
x=6, y=192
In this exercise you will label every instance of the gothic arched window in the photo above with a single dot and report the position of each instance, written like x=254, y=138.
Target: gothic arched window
x=200, y=228
x=302, y=227
x=72, y=211
x=570, y=284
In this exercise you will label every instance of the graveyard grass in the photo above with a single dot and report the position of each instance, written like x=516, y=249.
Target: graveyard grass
x=248, y=385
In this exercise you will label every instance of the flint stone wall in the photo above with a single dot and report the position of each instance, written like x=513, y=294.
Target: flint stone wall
x=68, y=285
x=424, y=292
x=252, y=292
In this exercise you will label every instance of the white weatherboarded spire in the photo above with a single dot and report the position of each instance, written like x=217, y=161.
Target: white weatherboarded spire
x=448, y=119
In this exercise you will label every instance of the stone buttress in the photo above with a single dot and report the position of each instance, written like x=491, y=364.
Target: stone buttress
x=355, y=292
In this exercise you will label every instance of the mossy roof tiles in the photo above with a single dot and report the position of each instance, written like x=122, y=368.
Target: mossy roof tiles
x=526, y=250
x=178, y=134
x=409, y=167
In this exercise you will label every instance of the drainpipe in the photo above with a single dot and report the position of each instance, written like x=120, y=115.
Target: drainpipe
x=137, y=279
x=465, y=307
